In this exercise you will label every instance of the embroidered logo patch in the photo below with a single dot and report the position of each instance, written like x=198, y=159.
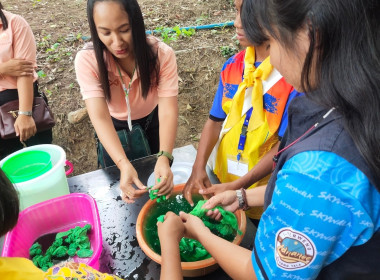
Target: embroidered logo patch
x=294, y=250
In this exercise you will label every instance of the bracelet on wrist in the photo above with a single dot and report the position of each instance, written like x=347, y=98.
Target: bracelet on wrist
x=117, y=163
x=242, y=199
x=244, y=194
x=26, y=113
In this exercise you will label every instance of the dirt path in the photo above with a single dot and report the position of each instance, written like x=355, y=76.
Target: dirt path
x=60, y=27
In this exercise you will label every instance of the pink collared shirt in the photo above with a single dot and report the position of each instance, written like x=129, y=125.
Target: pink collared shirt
x=17, y=41
x=88, y=78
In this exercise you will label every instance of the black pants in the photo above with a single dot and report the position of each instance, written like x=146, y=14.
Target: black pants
x=12, y=145
x=151, y=129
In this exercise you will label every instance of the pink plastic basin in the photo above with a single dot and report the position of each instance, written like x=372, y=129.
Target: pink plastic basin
x=52, y=216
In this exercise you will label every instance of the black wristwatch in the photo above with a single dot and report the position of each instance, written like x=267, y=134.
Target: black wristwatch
x=166, y=154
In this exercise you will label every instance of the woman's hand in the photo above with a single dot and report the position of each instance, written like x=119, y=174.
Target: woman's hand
x=171, y=228
x=228, y=200
x=25, y=127
x=163, y=172
x=16, y=68
x=128, y=177
x=194, y=227
x=198, y=180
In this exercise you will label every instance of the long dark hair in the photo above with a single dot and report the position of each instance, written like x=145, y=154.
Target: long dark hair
x=345, y=47
x=3, y=18
x=147, y=63
x=9, y=204
x=252, y=29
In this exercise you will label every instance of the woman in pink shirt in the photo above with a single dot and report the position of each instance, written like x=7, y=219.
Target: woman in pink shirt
x=126, y=78
x=18, y=80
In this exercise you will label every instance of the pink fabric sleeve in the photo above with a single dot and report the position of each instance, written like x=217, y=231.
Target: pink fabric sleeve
x=24, y=44
x=87, y=73
x=168, y=84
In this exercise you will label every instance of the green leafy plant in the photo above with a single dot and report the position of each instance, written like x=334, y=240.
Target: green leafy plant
x=172, y=34
x=41, y=74
x=228, y=51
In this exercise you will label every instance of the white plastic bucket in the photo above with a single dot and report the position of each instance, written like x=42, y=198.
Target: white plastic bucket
x=48, y=185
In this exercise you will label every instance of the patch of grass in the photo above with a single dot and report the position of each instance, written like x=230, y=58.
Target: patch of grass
x=35, y=2
x=201, y=19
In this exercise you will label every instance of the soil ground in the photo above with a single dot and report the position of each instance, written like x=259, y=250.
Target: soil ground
x=60, y=28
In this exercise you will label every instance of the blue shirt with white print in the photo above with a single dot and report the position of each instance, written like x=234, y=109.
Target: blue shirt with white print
x=321, y=206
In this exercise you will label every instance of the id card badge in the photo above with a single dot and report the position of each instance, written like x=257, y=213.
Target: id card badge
x=235, y=167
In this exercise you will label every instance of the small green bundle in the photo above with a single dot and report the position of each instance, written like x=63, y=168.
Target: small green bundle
x=153, y=194
x=226, y=227
x=69, y=243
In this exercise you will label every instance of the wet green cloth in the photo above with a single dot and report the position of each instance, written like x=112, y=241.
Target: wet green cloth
x=153, y=194
x=227, y=227
x=65, y=243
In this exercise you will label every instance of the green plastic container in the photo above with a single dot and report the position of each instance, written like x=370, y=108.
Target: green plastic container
x=27, y=165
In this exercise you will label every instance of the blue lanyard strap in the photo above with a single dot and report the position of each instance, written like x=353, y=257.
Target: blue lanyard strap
x=243, y=134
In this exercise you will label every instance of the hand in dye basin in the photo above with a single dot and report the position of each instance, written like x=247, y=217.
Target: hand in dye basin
x=228, y=200
x=171, y=228
x=194, y=226
x=198, y=180
x=170, y=233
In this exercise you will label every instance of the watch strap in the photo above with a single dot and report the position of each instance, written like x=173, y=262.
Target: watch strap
x=166, y=154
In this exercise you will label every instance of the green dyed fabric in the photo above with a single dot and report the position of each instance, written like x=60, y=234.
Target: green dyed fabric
x=65, y=244
x=35, y=250
x=226, y=227
x=84, y=253
x=161, y=218
x=192, y=250
x=153, y=195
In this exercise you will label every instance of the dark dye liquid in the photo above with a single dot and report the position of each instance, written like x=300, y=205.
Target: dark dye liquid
x=46, y=241
x=175, y=203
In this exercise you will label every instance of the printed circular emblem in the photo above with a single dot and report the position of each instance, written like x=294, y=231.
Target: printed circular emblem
x=294, y=250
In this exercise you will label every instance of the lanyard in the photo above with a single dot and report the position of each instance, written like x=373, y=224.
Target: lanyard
x=275, y=158
x=126, y=91
x=243, y=134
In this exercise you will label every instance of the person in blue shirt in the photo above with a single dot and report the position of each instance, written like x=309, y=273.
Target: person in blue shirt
x=322, y=203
